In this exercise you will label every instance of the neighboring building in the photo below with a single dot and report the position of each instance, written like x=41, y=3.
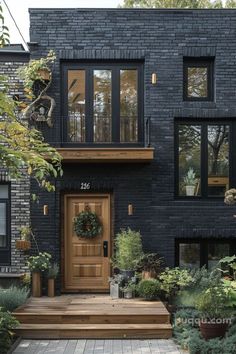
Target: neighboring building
x=111, y=116
x=14, y=194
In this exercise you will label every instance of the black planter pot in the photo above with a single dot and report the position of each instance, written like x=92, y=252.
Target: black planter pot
x=127, y=274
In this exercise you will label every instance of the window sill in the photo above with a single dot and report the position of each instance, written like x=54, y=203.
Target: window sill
x=106, y=155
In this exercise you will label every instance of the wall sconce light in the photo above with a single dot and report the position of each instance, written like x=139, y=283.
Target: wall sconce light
x=130, y=209
x=45, y=209
x=154, y=78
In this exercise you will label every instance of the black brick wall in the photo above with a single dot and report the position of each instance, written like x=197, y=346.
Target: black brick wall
x=160, y=38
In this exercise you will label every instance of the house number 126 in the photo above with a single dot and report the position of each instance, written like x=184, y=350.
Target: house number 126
x=85, y=186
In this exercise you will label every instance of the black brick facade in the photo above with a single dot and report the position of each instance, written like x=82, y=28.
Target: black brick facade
x=159, y=38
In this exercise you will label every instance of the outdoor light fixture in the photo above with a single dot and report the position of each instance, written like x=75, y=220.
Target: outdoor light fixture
x=154, y=78
x=130, y=209
x=45, y=209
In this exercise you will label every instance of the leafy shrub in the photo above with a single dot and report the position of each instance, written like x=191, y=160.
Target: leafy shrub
x=149, y=289
x=13, y=297
x=212, y=303
x=150, y=262
x=7, y=324
x=128, y=244
x=172, y=280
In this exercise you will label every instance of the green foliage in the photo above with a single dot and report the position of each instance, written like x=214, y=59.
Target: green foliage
x=172, y=280
x=183, y=4
x=150, y=262
x=149, y=289
x=23, y=149
x=4, y=31
x=31, y=72
x=13, y=297
x=53, y=271
x=25, y=233
x=230, y=264
x=197, y=345
x=190, y=178
x=7, y=324
x=212, y=302
x=201, y=279
x=128, y=244
x=39, y=263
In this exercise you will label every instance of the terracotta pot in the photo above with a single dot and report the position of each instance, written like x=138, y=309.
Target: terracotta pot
x=23, y=245
x=213, y=330
x=148, y=274
x=36, y=284
x=51, y=287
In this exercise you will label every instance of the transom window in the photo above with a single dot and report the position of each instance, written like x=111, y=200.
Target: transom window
x=193, y=254
x=4, y=224
x=198, y=79
x=104, y=103
x=203, y=157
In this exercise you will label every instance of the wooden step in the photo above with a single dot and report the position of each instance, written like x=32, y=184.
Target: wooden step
x=91, y=318
x=97, y=331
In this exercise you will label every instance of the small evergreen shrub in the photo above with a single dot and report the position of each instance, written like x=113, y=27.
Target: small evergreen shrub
x=149, y=289
x=13, y=297
x=7, y=325
x=128, y=244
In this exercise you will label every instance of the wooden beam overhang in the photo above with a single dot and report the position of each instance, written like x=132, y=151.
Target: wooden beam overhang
x=106, y=155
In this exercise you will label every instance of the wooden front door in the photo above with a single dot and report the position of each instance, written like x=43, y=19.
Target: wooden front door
x=87, y=261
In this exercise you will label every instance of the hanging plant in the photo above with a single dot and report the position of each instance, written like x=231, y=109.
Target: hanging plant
x=87, y=225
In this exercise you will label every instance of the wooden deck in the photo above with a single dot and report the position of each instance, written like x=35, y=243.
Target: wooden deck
x=92, y=316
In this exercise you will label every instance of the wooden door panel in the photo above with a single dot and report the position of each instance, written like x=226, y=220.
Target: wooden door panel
x=86, y=268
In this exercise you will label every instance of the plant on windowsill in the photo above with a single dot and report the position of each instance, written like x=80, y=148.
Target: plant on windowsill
x=190, y=182
x=128, y=245
x=24, y=243
x=214, y=313
x=52, y=274
x=38, y=264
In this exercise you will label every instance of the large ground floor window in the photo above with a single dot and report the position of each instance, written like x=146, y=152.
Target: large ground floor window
x=196, y=253
x=205, y=157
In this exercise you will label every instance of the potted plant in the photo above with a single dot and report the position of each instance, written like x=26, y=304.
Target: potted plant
x=151, y=265
x=128, y=244
x=38, y=264
x=52, y=273
x=211, y=303
x=24, y=243
x=37, y=70
x=115, y=285
x=149, y=289
x=129, y=289
x=190, y=182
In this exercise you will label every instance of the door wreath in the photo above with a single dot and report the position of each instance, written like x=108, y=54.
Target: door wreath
x=87, y=225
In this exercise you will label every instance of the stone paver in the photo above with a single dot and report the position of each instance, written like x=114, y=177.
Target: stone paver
x=82, y=346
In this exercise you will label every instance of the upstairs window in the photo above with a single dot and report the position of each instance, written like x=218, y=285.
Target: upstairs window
x=203, y=156
x=4, y=224
x=104, y=104
x=198, y=80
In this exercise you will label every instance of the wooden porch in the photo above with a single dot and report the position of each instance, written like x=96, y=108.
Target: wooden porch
x=92, y=316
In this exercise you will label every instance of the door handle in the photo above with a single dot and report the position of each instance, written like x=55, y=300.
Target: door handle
x=105, y=248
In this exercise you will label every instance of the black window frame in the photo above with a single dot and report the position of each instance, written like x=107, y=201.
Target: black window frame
x=5, y=252
x=199, y=63
x=115, y=67
x=204, y=155
x=204, y=242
